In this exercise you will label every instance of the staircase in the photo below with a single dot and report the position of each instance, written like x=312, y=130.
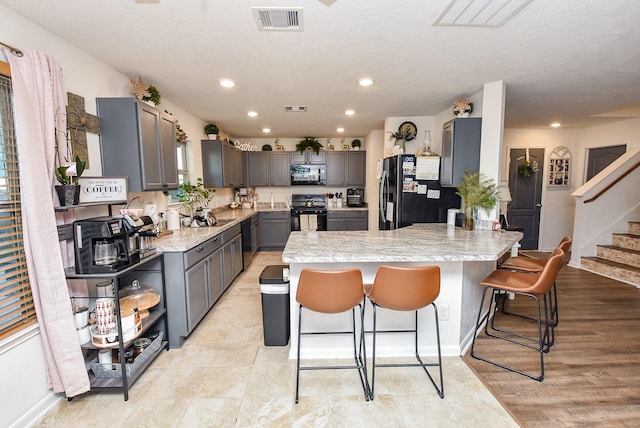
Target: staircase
x=619, y=261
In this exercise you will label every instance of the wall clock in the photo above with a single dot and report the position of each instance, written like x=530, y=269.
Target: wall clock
x=408, y=130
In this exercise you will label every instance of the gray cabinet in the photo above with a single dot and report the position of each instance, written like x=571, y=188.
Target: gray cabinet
x=346, y=168
x=347, y=220
x=231, y=255
x=460, y=149
x=275, y=227
x=268, y=169
x=308, y=157
x=222, y=164
x=194, y=281
x=138, y=141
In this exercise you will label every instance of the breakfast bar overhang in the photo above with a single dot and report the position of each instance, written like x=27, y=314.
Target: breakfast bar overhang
x=465, y=257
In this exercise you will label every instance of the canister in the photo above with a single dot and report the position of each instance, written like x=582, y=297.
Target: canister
x=451, y=216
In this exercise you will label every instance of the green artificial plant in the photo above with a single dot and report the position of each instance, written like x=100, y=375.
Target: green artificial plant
x=309, y=142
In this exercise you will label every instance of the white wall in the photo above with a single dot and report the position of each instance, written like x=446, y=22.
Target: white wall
x=558, y=206
x=24, y=392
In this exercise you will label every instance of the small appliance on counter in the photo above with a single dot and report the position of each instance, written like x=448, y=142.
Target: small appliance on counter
x=355, y=197
x=104, y=245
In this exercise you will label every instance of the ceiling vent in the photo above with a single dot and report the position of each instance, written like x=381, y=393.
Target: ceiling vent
x=295, y=109
x=480, y=13
x=278, y=18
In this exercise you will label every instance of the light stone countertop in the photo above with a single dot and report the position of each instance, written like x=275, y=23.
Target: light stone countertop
x=188, y=237
x=432, y=242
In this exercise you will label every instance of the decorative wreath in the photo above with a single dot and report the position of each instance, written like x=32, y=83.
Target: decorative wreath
x=527, y=169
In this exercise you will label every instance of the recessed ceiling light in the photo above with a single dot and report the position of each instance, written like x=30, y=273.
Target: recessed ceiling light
x=340, y=129
x=555, y=125
x=266, y=130
x=365, y=81
x=349, y=112
x=252, y=113
x=227, y=83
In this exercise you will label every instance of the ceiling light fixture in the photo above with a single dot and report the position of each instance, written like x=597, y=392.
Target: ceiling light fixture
x=340, y=129
x=227, y=83
x=252, y=113
x=555, y=125
x=365, y=81
x=266, y=130
x=349, y=112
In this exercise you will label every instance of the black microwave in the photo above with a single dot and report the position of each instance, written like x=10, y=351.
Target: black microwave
x=308, y=174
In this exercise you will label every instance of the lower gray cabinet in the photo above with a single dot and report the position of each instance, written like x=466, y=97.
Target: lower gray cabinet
x=231, y=255
x=347, y=220
x=195, y=281
x=275, y=227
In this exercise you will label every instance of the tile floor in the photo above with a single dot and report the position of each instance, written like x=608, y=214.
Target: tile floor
x=224, y=376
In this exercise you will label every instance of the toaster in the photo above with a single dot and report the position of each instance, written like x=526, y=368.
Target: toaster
x=355, y=197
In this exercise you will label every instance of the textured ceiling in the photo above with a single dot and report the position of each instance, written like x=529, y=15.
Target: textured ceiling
x=573, y=61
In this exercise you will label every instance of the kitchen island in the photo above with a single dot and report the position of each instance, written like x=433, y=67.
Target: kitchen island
x=465, y=257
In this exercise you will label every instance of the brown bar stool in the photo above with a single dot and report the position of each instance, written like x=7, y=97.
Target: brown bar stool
x=531, y=265
x=537, y=287
x=332, y=292
x=406, y=289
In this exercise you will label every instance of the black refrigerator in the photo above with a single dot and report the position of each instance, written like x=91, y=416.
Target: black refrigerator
x=410, y=192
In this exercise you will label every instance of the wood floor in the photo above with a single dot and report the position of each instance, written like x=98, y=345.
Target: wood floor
x=592, y=373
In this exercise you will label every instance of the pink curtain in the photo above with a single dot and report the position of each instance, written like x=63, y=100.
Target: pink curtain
x=39, y=112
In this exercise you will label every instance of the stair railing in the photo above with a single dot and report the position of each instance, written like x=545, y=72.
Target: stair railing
x=613, y=183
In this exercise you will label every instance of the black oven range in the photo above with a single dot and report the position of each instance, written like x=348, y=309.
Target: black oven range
x=308, y=212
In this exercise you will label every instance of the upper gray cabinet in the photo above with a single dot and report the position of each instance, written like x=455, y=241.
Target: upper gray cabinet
x=346, y=168
x=222, y=164
x=268, y=169
x=308, y=157
x=138, y=141
x=460, y=149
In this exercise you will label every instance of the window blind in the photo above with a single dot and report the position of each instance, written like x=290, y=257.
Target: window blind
x=16, y=301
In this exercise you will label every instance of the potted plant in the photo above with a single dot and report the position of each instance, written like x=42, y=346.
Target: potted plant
x=476, y=191
x=309, y=143
x=211, y=130
x=356, y=144
x=462, y=107
x=190, y=195
x=154, y=95
x=68, y=175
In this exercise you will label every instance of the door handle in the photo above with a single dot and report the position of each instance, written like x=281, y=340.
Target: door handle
x=538, y=205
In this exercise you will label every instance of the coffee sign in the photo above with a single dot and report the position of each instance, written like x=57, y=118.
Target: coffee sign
x=103, y=189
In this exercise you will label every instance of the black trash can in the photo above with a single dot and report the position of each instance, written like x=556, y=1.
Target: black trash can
x=275, y=305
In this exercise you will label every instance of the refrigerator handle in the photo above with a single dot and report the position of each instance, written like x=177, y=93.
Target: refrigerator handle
x=383, y=181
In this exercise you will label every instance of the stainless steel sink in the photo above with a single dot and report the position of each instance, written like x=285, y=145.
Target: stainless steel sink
x=223, y=221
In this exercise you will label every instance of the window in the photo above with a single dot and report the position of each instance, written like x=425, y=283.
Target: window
x=16, y=301
x=183, y=173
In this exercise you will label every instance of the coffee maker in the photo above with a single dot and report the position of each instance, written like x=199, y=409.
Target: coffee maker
x=103, y=245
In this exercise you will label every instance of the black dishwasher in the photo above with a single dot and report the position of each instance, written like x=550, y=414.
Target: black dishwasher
x=250, y=238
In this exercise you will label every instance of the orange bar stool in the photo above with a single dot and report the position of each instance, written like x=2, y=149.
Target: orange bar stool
x=535, y=286
x=406, y=289
x=531, y=265
x=332, y=292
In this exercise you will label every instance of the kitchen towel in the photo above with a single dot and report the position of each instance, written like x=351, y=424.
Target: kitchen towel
x=308, y=222
x=313, y=222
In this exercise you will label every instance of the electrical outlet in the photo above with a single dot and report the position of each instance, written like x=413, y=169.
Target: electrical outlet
x=443, y=312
